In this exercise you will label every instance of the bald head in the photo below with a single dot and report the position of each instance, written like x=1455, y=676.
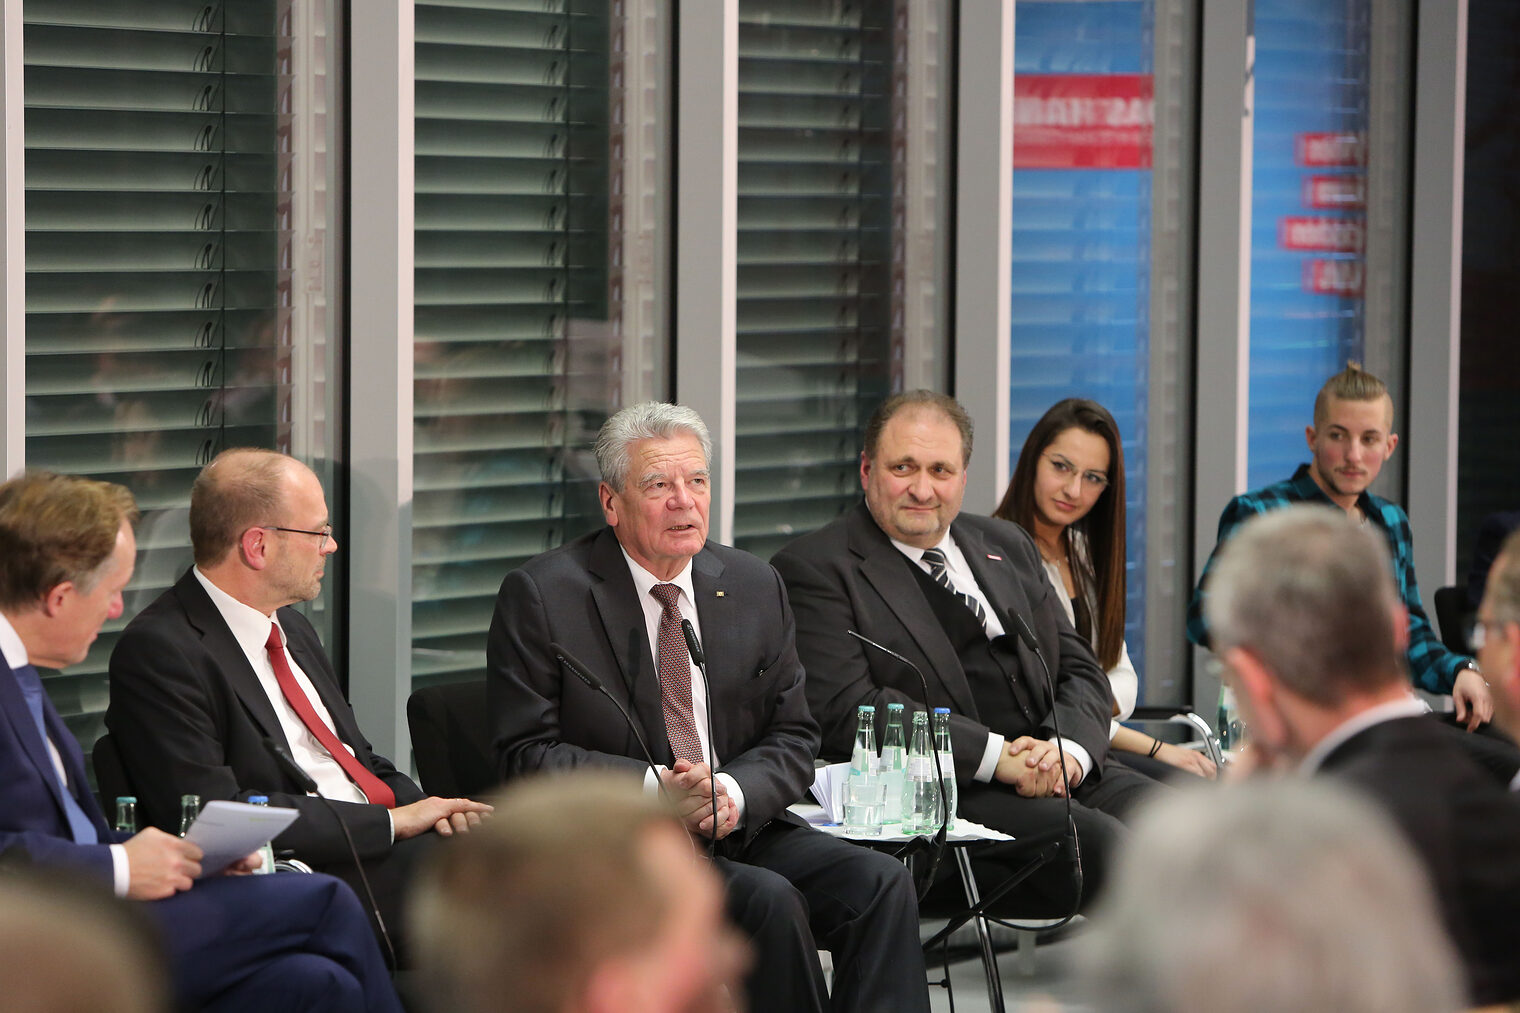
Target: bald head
x=239, y=489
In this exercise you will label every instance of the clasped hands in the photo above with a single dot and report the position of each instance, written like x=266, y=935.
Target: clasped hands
x=691, y=787
x=1032, y=766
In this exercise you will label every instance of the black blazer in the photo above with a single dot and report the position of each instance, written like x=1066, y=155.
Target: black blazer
x=849, y=576
x=189, y=715
x=582, y=597
x=1464, y=827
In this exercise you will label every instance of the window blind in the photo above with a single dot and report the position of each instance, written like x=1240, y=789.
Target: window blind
x=157, y=262
x=816, y=299
x=517, y=342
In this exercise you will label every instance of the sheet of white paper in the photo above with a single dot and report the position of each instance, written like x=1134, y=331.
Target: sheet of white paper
x=227, y=831
x=828, y=789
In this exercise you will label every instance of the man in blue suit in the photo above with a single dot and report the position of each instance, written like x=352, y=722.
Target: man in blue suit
x=288, y=942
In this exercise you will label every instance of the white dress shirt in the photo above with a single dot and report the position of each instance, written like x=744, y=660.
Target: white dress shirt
x=16, y=656
x=964, y=581
x=643, y=581
x=250, y=628
x=1122, y=678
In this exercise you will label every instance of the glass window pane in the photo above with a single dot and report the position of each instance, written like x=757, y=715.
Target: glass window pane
x=169, y=178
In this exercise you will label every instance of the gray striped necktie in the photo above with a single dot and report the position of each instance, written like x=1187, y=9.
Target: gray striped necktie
x=939, y=569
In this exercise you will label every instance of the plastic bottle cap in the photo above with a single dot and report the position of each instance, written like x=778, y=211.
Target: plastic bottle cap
x=258, y=799
x=942, y=710
x=866, y=707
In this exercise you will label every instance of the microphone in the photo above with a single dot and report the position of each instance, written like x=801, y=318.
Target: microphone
x=698, y=658
x=581, y=672
x=944, y=798
x=1026, y=635
x=303, y=780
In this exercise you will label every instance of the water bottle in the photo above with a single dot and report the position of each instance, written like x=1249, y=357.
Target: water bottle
x=266, y=850
x=920, y=787
x=1231, y=730
x=946, y=760
x=894, y=766
x=126, y=814
x=863, y=788
x=189, y=809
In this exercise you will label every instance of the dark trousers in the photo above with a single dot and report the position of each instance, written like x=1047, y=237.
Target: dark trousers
x=794, y=890
x=390, y=877
x=1100, y=807
x=287, y=942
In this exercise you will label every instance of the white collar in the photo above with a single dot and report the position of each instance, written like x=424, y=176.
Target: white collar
x=11, y=645
x=643, y=580
x=249, y=626
x=1406, y=707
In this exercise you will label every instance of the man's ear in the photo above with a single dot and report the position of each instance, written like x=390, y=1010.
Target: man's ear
x=1256, y=683
x=1393, y=442
x=1400, y=628
x=1309, y=437
x=865, y=470
x=608, y=499
x=253, y=548
x=52, y=602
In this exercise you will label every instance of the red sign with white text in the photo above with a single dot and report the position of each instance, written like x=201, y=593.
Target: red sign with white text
x=1335, y=277
x=1330, y=149
x=1331, y=235
x=1082, y=121
x=1336, y=193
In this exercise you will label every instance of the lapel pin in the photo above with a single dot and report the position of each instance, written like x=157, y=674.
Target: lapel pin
x=718, y=594
x=996, y=558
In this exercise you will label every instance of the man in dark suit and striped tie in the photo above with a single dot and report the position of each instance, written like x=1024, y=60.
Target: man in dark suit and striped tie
x=950, y=591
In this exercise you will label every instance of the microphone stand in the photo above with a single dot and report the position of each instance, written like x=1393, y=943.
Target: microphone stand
x=938, y=849
x=699, y=658
x=304, y=781
x=581, y=672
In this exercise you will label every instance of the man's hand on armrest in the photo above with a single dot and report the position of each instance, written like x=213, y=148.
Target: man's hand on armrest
x=445, y=815
x=160, y=865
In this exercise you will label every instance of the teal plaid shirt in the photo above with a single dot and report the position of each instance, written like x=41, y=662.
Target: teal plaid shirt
x=1432, y=666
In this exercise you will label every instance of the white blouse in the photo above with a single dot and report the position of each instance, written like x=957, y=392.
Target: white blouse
x=1122, y=678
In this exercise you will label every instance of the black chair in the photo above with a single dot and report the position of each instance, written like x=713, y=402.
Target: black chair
x=1453, y=618
x=111, y=777
x=451, y=739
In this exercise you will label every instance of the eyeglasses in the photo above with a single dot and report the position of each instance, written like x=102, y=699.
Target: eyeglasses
x=325, y=533
x=1065, y=469
x=1477, y=633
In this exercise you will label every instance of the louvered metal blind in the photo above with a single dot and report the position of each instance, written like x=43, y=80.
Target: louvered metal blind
x=157, y=261
x=516, y=335
x=816, y=298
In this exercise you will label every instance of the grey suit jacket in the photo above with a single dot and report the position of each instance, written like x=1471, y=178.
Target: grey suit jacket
x=582, y=597
x=849, y=576
x=189, y=715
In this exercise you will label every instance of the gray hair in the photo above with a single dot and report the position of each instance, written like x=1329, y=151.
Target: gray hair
x=648, y=420
x=1311, y=595
x=1504, y=584
x=1269, y=895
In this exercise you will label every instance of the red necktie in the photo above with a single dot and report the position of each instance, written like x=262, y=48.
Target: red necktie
x=675, y=677
x=374, y=789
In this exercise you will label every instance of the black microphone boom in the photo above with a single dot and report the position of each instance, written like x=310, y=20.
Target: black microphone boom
x=699, y=658
x=581, y=672
x=303, y=780
x=944, y=797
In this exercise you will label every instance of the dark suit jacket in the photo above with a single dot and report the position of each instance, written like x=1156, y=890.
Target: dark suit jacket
x=1464, y=827
x=582, y=597
x=849, y=576
x=189, y=715
x=31, y=804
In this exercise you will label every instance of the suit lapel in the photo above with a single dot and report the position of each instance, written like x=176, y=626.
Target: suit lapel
x=622, y=617
x=885, y=569
x=230, y=659
x=716, y=606
x=25, y=729
x=995, y=575
x=308, y=653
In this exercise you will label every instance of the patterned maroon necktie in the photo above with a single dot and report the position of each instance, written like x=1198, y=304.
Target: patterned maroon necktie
x=675, y=677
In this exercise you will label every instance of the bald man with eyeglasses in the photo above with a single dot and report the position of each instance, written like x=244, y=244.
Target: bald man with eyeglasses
x=221, y=661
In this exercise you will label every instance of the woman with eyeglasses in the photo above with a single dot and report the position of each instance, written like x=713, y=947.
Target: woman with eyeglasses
x=1068, y=492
